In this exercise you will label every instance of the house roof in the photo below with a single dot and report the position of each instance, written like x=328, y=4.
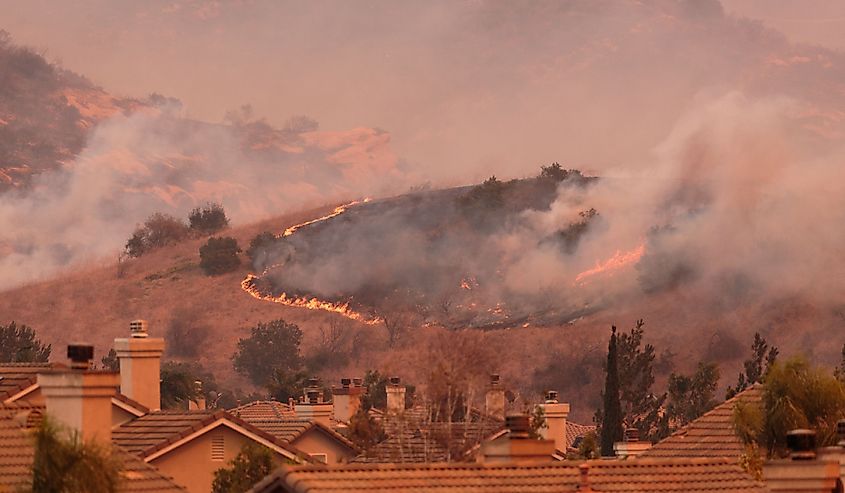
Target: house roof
x=576, y=432
x=157, y=432
x=130, y=404
x=711, y=435
x=631, y=476
x=289, y=430
x=17, y=377
x=18, y=451
x=261, y=410
x=404, y=449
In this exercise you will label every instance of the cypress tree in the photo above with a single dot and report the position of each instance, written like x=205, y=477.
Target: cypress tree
x=611, y=426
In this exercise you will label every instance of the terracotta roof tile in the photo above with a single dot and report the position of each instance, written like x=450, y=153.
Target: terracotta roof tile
x=288, y=430
x=15, y=377
x=711, y=435
x=263, y=410
x=632, y=476
x=155, y=431
x=576, y=432
x=17, y=451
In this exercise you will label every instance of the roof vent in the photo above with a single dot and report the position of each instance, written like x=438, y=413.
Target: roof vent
x=345, y=382
x=313, y=382
x=80, y=356
x=494, y=380
x=394, y=380
x=551, y=397
x=632, y=435
x=358, y=382
x=138, y=328
x=801, y=444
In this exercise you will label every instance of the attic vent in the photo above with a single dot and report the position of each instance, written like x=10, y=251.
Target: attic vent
x=218, y=447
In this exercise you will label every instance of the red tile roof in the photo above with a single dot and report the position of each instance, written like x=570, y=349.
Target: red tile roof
x=17, y=451
x=156, y=431
x=263, y=410
x=630, y=476
x=711, y=435
x=289, y=430
x=576, y=432
x=15, y=377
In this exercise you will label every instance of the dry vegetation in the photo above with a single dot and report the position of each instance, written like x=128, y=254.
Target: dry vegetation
x=168, y=288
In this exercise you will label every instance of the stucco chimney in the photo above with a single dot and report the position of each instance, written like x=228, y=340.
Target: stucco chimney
x=517, y=444
x=556, y=414
x=80, y=398
x=495, y=399
x=395, y=396
x=803, y=471
x=313, y=406
x=140, y=365
x=346, y=400
x=631, y=446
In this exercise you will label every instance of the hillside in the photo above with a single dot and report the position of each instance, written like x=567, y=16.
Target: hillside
x=95, y=305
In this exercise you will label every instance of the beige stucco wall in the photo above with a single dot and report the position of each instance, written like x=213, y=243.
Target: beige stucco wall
x=120, y=416
x=191, y=465
x=315, y=441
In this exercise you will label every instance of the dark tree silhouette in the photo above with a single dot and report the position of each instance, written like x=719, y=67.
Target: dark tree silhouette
x=19, y=344
x=611, y=425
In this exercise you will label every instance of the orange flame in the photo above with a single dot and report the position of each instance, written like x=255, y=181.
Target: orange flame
x=336, y=212
x=249, y=284
x=617, y=261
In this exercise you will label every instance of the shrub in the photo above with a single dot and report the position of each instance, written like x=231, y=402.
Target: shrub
x=208, y=219
x=250, y=466
x=257, y=250
x=157, y=231
x=219, y=255
x=19, y=344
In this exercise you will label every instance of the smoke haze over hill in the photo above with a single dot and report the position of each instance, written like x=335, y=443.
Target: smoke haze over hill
x=716, y=137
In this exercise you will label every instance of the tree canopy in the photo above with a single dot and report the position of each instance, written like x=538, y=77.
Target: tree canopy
x=611, y=423
x=252, y=464
x=270, y=346
x=20, y=344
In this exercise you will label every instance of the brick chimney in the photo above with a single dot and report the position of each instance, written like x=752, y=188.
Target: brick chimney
x=346, y=399
x=140, y=365
x=517, y=444
x=556, y=414
x=803, y=471
x=312, y=404
x=80, y=398
x=395, y=396
x=495, y=399
x=631, y=446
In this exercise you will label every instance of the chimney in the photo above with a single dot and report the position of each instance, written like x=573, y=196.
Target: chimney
x=346, y=400
x=395, y=396
x=555, y=414
x=495, y=399
x=632, y=446
x=140, y=365
x=80, y=398
x=836, y=453
x=313, y=406
x=803, y=471
x=517, y=444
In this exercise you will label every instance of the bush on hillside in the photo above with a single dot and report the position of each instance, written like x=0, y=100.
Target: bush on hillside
x=208, y=219
x=157, y=231
x=257, y=251
x=219, y=256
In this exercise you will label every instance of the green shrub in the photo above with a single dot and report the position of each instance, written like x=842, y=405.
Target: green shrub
x=208, y=219
x=219, y=255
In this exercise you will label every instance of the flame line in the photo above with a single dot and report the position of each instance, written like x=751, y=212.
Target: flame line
x=249, y=284
x=617, y=261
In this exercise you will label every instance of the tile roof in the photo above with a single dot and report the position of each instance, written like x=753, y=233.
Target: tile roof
x=17, y=451
x=131, y=403
x=630, y=476
x=156, y=431
x=263, y=410
x=15, y=377
x=289, y=430
x=711, y=435
x=404, y=449
x=575, y=433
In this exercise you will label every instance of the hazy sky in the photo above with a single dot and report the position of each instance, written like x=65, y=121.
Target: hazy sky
x=477, y=86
